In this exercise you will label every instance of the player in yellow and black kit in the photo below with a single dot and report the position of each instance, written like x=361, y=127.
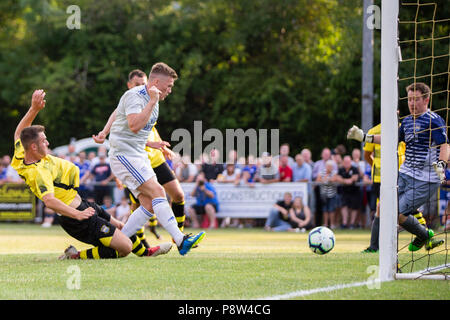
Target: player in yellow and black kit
x=55, y=181
x=372, y=155
x=157, y=151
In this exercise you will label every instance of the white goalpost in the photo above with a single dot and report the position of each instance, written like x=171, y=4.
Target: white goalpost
x=389, y=138
x=388, y=238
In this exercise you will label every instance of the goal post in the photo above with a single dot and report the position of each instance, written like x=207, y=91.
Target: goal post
x=389, y=130
x=421, y=29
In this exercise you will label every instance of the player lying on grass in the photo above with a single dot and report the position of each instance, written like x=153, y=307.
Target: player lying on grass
x=157, y=151
x=426, y=155
x=55, y=181
x=135, y=116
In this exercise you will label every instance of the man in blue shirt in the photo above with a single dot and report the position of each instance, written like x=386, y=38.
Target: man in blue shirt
x=426, y=156
x=207, y=202
x=301, y=171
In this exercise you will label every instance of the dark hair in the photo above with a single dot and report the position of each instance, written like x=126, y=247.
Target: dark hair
x=163, y=69
x=136, y=73
x=30, y=135
x=419, y=86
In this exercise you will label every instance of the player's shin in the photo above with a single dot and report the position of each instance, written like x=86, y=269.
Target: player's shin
x=136, y=221
x=100, y=252
x=167, y=219
x=178, y=211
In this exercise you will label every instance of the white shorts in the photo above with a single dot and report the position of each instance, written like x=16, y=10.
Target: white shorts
x=132, y=171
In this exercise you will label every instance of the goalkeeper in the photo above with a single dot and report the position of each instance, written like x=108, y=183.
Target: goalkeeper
x=426, y=155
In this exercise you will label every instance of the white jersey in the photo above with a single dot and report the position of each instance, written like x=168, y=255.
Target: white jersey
x=123, y=142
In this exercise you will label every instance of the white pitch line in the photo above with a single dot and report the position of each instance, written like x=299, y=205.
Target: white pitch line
x=302, y=293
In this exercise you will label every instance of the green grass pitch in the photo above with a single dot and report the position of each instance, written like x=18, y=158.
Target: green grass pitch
x=228, y=264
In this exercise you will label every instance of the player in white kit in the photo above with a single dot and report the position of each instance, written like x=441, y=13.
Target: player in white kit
x=135, y=116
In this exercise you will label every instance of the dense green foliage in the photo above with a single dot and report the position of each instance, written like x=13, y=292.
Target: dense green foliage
x=294, y=65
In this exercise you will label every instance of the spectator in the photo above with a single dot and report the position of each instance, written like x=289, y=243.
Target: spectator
x=11, y=174
x=83, y=164
x=357, y=162
x=278, y=219
x=232, y=157
x=337, y=158
x=300, y=216
x=307, y=157
x=2, y=173
x=206, y=202
x=186, y=171
x=348, y=175
x=213, y=168
x=361, y=165
x=230, y=175
x=340, y=150
x=249, y=173
x=123, y=210
x=108, y=205
x=301, y=171
x=102, y=175
x=328, y=194
x=268, y=172
x=284, y=151
x=319, y=166
x=96, y=159
x=284, y=169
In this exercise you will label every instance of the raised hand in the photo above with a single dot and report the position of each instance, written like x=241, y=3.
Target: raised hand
x=37, y=100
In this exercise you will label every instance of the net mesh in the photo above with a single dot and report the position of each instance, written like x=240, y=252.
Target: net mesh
x=424, y=40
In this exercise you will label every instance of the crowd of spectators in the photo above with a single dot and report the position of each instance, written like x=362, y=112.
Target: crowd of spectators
x=339, y=185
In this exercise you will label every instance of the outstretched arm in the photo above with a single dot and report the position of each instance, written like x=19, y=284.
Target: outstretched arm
x=37, y=104
x=57, y=205
x=101, y=136
x=357, y=134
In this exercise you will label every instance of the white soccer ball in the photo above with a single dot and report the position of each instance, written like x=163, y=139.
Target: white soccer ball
x=321, y=240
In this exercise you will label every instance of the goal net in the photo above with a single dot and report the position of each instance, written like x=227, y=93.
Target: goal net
x=423, y=55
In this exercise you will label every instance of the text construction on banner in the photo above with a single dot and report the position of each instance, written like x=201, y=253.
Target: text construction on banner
x=249, y=202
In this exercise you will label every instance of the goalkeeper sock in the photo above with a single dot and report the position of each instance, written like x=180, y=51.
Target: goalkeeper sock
x=178, y=211
x=419, y=216
x=413, y=226
x=375, y=233
x=167, y=219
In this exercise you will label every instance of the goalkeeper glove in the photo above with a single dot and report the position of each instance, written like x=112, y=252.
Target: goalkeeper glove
x=440, y=167
x=357, y=134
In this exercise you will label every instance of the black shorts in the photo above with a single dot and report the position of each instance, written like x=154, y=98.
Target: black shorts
x=97, y=230
x=201, y=209
x=164, y=174
x=376, y=189
x=351, y=200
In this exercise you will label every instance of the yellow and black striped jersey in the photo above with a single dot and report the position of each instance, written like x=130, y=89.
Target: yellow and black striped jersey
x=48, y=175
x=156, y=156
x=375, y=149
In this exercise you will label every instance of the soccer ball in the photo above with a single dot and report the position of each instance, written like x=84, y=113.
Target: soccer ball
x=321, y=240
